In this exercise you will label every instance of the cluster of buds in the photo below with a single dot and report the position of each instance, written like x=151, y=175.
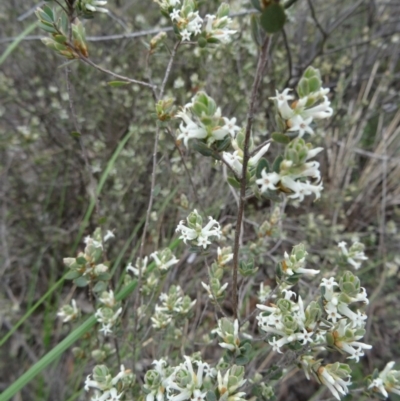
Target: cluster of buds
x=87, y=266
x=189, y=25
x=174, y=305
x=204, y=122
x=216, y=290
x=193, y=380
x=108, y=314
x=58, y=29
x=69, y=313
x=106, y=387
x=355, y=255
x=195, y=232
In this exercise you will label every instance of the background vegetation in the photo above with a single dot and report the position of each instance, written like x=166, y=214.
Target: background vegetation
x=46, y=190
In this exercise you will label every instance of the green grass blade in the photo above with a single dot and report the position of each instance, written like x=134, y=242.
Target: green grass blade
x=13, y=45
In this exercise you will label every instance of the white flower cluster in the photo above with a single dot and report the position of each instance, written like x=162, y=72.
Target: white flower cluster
x=339, y=324
x=299, y=176
x=164, y=259
x=107, y=315
x=69, y=312
x=195, y=232
x=203, y=120
x=229, y=333
x=298, y=115
x=184, y=382
x=189, y=24
x=355, y=255
x=288, y=322
x=296, y=261
x=108, y=388
x=347, y=325
x=174, y=305
x=388, y=381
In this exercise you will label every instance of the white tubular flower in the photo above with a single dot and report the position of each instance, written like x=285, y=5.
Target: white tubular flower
x=93, y=6
x=301, y=189
x=388, y=381
x=282, y=103
x=185, y=35
x=164, y=259
x=235, y=160
x=69, y=312
x=192, y=130
x=230, y=126
x=175, y=15
x=195, y=231
x=109, y=235
x=107, y=298
x=297, y=123
x=355, y=255
x=320, y=111
x=268, y=181
x=141, y=265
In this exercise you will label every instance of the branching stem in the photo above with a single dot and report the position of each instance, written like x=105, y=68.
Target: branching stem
x=262, y=61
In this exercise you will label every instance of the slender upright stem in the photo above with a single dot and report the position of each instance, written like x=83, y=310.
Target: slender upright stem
x=262, y=61
x=152, y=186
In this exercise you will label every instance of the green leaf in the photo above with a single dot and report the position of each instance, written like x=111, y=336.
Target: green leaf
x=81, y=261
x=75, y=134
x=242, y=360
x=60, y=39
x=118, y=83
x=272, y=195
x=276, y=166
x=280, y=138
x=262, y=165
x=71, y=275
x=224, y=144
x=48, y=11
x=273, y=18
x=81, y=282
x=256, y=4
x=210, y=396
x=315, y=84
x=202, y=148
x=233, y=182
x=104, y=276
x=100, y=286
x=46, y=27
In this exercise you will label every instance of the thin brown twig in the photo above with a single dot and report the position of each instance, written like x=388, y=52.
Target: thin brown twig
x=152, y=186
x=113, y=74
x=262, y=61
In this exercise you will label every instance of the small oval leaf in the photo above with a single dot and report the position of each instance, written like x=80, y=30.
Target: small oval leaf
x=280, y=138
x=273, y=18
x=118, y=83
